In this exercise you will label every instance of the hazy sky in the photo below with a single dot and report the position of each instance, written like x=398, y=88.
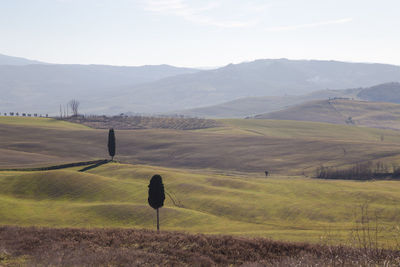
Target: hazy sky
x=199, y=32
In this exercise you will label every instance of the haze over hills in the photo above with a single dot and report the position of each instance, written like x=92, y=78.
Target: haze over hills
x=160, y=89
x=342, y=111
x=251, y=106
x=269, y=77
x=388, y=92
x=43, y=87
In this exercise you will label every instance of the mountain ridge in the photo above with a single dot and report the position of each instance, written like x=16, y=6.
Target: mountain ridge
x=17, y=61
x=111, y=90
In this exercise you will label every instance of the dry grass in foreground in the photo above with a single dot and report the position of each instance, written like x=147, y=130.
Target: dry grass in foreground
x=123, y=247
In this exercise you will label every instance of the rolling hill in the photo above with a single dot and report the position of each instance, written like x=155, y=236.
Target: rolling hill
x=114, y=195
x=251, y=106
x=388, y=92
x=342, y=111
x=251, y=145
x=214, y=180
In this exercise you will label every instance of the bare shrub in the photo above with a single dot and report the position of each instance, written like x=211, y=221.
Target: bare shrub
x=74, y=104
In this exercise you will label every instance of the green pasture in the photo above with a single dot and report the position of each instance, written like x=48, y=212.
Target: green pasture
x=41, y=122
x=282, y=208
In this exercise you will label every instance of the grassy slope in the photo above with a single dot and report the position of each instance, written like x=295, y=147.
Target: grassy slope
x=281, y=207
x=281, y=147
x=115, y=195
x=307, y=130
x=40, y=122
x=370, y=114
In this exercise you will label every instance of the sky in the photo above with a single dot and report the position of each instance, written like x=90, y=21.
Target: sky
x=199, y=33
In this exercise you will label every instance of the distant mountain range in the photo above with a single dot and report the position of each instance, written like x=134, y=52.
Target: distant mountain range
x=165, y=89
x=40, y=88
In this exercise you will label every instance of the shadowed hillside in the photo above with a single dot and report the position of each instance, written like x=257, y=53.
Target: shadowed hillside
x=388, y=92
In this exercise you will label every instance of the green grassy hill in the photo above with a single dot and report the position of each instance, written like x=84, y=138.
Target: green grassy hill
x=41, y=123
x=115, y=195
x=214, y=178
x=342, y=111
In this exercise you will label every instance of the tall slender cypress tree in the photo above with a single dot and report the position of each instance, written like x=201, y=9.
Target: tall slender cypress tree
x=111, y=143
x=156, y=195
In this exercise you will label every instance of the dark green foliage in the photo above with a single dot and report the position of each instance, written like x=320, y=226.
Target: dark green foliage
x=111, y=143
x=156, y=192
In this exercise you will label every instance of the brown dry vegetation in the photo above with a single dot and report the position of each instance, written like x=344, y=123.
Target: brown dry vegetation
x=232, y=150
x=124, y=247
x=143, y=122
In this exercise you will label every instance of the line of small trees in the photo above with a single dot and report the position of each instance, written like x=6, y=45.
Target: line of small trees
x=156, y=194
x=17, y=114
x=360, y=171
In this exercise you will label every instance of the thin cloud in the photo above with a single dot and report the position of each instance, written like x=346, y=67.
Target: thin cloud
x=193, y=14
x=309, y=25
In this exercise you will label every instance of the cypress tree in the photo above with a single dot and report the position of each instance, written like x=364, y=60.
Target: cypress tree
x=111, y=143
x=156, y=195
